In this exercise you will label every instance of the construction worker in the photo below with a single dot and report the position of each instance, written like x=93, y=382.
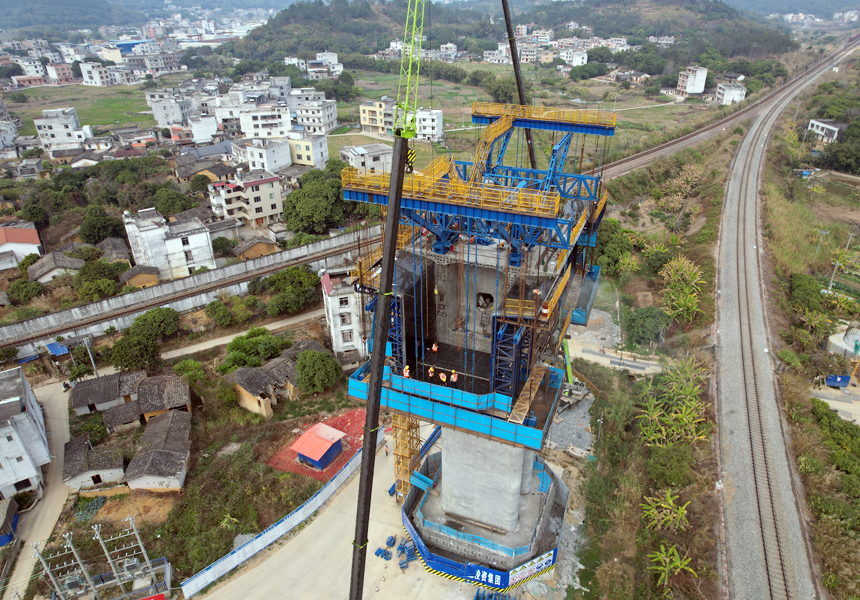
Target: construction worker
x=430, y=373
x=406, y=371
x=435, y=348
x=386, y=449
x=453, y=378
x=443, y=378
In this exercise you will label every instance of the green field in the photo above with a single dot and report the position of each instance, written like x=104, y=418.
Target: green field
x=95, y=105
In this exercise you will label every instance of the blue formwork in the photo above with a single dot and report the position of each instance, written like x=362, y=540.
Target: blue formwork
x=586, y=296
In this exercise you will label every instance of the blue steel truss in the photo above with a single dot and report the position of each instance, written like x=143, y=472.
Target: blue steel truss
x=507, y=347
x=521, y=122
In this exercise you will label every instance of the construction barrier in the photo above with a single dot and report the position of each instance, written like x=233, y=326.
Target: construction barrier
x=230, y=561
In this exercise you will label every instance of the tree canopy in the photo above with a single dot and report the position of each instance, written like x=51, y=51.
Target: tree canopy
x=98, y=225
x=317, y=371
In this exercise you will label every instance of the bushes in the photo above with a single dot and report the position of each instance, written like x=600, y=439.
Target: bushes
x=157, y=322
x=805, y=292
x=132, y=352
x=683, y=280
x=252, y=349
x=220, y=313
x=317, y=371
x=671, y=467
x=22, y=290
x=26, y=262
x=644, y=324
x=612, y=245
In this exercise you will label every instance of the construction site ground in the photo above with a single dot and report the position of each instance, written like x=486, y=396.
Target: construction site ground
x=314, y=562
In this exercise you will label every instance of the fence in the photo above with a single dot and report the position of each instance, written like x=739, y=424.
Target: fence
x=230, y=561
x=173, y=293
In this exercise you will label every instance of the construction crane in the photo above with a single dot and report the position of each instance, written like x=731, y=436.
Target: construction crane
x=405, y=128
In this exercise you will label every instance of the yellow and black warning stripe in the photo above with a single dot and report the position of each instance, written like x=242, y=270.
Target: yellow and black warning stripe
x=410, y=157
x=472, y=581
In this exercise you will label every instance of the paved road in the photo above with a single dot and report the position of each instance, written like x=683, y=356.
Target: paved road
x=315, y=564
x=221, y=341
x=38, y=524
x=744, y=547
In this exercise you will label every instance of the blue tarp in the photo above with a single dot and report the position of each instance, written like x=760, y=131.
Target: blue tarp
x=57, y=349
x=27, y=359
x=837, y=380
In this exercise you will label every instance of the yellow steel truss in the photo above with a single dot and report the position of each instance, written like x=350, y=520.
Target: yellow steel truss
x=407, y=446
x=545, y=113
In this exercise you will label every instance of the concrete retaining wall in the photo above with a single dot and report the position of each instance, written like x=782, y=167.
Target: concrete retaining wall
x=149, y=297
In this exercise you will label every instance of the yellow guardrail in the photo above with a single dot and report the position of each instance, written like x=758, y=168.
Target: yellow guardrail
x=549, y=306
x=600, y=205
x=491, y=133
x=545, y=113
x=456, y=192
x=436, y=169
x=523, y=308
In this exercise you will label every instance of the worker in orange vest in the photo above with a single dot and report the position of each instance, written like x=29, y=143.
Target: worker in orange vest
x=430, y=373
x=453, y=378
x=406, y=371
x=443, y=378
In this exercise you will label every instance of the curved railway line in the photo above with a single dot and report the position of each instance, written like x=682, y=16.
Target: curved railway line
x=766, y=543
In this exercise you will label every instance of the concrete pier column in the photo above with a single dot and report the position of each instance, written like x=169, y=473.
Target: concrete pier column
x=481, y=479
x=528, y=467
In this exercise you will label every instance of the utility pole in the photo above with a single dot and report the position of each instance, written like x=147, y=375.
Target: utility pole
x=822, y=233
x=87, y=344
x=98, y=530
x=518, y=76
x=836, y=265
x=47, y=568
x=137, y=535
x=71, y=546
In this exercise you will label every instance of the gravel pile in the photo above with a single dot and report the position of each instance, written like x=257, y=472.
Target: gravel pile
x=601, y=330
x=573, y=429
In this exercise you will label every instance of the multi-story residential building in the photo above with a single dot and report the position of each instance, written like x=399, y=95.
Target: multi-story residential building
x=60, y=127
x=95, y=74
x=826, y=130
x=324, y=67
x=154, y=63
x=171, y=111
x=429, y=125
x=121, y=76
x=24, y=449
x=542, y=36
x=319, y=116
x=32, y=66
x=111, y=53
x=59, y=73
x=303, y=96
x=296, y=62
x=175, y=249
x=279, y=87
x=729, y=93
x=265, y=121
x=347, y=321
x=203, y=128
x=371, y=158
x=571, y=26
x=254, y=198
x=308, y=151
x=521, y=31
x=692, y=80
x=4, y=112
x=372, y=115
x=262, y=154
x=575, y=58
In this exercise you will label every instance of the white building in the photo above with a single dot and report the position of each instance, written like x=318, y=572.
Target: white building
x=826, y=130
x=372, y=158
x=254, y=198
x=692, y=81
x=32, y=66
x=279, y=87
x=176, y=249
x=429, y=125
x=296, y=62
x=318, y=116
x=171, y=111
x=345, y=317
x=24, y=446
x=85, y=467
x=521, y=31
x=60, y=128
x=95, y=74
x=17, y=240
x=265, y=121
x=574, y=57
x=203, y=128
x=729, y=93
x=308, y=151
x=262, y=154
x=8, y=133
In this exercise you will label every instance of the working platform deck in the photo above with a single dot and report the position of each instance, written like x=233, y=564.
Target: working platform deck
x=590, y=122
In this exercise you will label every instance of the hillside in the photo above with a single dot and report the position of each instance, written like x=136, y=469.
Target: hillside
x=65, y=14
x=360, y=27
x=822, y=9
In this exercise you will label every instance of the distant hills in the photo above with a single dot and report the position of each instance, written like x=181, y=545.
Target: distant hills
x=65, y=14
x=823, y=9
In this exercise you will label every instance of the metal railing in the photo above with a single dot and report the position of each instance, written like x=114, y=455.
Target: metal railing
x=546, y=113
x=455, y=192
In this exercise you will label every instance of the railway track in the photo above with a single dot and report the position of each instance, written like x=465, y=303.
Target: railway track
x=628, y=163
x=767, y=547
x=162, y=300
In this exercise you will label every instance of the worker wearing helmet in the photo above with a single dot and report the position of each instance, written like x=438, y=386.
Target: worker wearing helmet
x=453, y=378
x=443, y=378
x=406, y=371
x=430, y=373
